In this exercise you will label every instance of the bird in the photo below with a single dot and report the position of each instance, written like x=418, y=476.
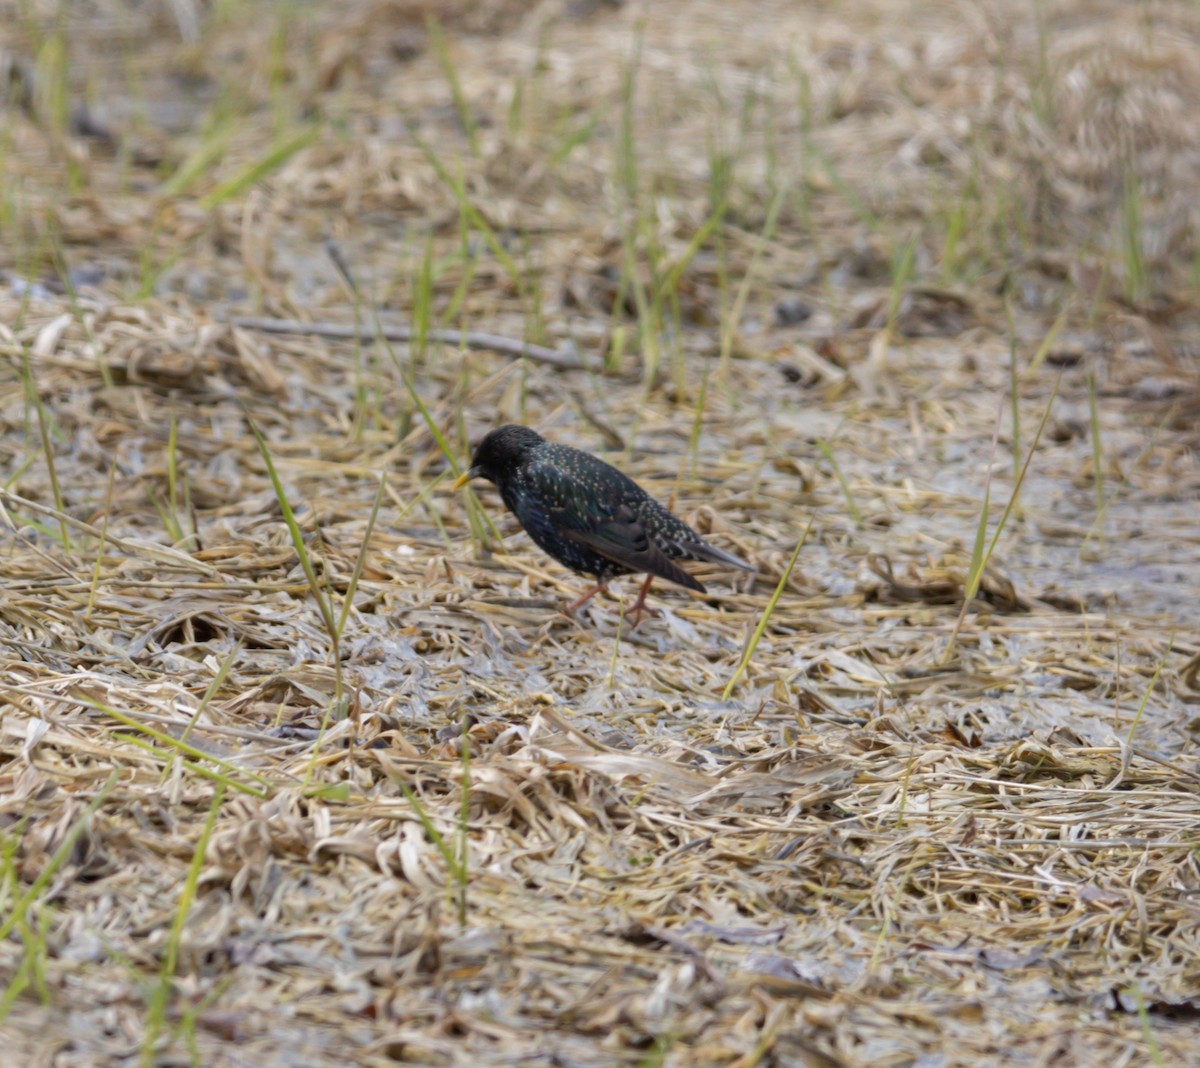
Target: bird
x=588, y=515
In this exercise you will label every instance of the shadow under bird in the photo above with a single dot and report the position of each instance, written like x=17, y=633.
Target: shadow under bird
x=588, y=515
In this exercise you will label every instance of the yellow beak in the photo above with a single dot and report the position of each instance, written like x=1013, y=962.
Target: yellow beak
x=462, y=480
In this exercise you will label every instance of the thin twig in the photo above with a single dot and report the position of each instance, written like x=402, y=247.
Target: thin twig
x=471, y=339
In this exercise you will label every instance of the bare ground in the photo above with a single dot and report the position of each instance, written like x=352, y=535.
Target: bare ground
x=894, y=841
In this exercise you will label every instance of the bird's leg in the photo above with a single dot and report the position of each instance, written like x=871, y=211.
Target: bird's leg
x=579, y=602
x=639, y=606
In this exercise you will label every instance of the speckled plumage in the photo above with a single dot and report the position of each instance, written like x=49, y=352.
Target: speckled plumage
x=587, y=514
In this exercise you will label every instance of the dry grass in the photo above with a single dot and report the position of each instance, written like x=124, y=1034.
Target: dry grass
x=886, y=847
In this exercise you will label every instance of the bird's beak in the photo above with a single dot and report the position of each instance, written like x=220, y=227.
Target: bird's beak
x=466, y=477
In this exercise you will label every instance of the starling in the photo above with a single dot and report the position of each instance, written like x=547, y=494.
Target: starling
x=588, y=515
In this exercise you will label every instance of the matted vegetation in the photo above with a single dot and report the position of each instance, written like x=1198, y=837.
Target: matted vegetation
x=300, y=762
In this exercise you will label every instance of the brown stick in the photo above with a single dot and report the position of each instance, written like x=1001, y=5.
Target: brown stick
x=471, y=339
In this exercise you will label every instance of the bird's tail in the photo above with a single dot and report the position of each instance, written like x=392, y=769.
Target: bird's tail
x=702, y=550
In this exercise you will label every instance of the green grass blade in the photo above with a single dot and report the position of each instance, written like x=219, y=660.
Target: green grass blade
x=827, y=451
x=297, y=535
x=44, y=434
x=766, y=616
x=1014, y=393
x=203, y=159
x=166, y=757
x=981, y=555
x=1149, y=690
x=458, y=188
x=434, y=835
x=1048, y=341
x=274, y=158
x=1016, y=493
x=211, y=691
x=729, y=329
x=361, y=560
x=441, y=53
x=172, y=743
x=902, y=269
x=464, y=825
x=157, y=1013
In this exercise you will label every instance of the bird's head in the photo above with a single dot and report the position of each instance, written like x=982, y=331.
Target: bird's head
x=500, y=453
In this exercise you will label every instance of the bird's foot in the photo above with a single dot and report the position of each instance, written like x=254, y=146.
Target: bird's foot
x=639, y=606
x=641, y=612
x=579, y=602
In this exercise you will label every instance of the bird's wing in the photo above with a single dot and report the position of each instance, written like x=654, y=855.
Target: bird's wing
x=703, y=550
x=679, y=540
x=563, y=511
x=622, y=538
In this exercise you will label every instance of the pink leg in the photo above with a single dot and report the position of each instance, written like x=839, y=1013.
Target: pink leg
x=639, y=606
x=579, y=602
